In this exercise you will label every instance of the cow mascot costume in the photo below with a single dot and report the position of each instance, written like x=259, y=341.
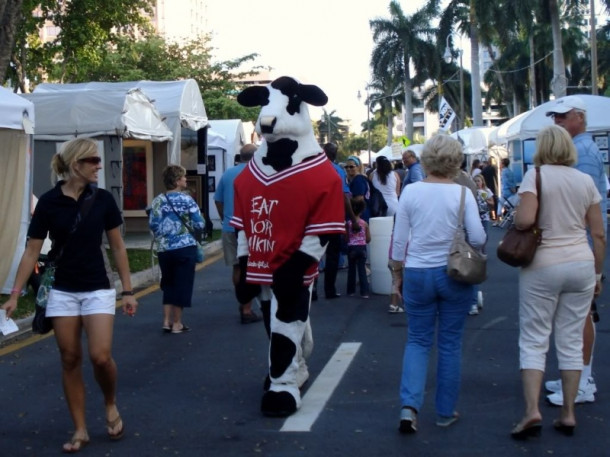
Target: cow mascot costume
x=287, y=201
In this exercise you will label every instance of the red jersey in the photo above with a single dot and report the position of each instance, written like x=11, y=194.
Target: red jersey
x=276, y=212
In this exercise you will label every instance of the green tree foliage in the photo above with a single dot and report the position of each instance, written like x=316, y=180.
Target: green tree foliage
x=86, y=29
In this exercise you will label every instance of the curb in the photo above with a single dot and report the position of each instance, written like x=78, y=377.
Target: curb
x=139, y=280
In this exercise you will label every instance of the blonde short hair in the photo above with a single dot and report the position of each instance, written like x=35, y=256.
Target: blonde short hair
x=71, y=152
x=554, y=146
x=442, y=156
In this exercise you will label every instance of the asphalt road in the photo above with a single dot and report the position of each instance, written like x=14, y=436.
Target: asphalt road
x=198, y=394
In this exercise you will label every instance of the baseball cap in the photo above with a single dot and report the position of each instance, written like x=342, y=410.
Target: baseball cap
x=565, y=104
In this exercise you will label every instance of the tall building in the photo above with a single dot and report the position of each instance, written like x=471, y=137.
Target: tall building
x=180, y=20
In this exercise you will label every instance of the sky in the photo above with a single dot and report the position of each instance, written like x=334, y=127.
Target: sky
x=323, y=42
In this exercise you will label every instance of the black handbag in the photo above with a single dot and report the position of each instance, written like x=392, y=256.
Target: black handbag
x=42, y=324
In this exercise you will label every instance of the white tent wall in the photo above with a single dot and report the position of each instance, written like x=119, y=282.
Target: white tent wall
x=16, y=182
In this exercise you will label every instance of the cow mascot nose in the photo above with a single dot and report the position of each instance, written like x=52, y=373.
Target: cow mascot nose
x=288, y=201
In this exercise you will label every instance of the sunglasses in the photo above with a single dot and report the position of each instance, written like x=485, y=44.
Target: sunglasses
x=350, y=166
x=95, y=160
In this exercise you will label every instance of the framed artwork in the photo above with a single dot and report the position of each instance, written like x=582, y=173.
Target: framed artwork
x=193, y=185
x=211, y=184
x=211, y=162
x=601, y=141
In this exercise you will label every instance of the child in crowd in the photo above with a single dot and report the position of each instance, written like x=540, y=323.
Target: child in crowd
x=356, y=251
x=485, y=200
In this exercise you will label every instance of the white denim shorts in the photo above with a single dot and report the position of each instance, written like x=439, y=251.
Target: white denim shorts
x=62, y=303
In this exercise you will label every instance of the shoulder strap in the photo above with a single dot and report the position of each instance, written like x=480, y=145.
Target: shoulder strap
x=461, y=210
x=539, y=194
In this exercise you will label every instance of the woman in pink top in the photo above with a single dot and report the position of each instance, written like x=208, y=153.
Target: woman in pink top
x=356, y=251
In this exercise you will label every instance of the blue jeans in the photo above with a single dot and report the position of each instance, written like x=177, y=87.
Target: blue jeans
x=356, y=257
x=431, y=297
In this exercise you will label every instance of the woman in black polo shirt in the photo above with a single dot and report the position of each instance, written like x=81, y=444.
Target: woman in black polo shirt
x=83, y=296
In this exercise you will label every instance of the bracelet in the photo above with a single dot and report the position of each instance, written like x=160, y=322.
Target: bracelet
x=598, y=277
x=15, y=291
x=126, y=292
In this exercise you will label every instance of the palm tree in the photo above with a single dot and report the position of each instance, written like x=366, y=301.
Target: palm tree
x=467, y=16
x=399, y=43
x=551, y=7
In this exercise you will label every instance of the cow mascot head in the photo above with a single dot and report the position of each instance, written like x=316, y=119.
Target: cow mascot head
x=288, y=202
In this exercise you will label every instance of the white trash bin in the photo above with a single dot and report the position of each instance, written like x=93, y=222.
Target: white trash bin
x=379, y=248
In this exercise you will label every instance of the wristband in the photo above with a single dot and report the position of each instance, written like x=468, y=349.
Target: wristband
x=598, y=277
x=15, y=291
x=126, y=292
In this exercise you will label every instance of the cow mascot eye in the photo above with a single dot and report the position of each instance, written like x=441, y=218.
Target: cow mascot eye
x=288, y=202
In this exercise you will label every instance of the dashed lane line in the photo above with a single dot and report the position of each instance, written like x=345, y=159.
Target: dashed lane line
x=319, y=393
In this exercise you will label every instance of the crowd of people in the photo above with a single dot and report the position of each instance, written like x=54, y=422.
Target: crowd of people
x=556, y=291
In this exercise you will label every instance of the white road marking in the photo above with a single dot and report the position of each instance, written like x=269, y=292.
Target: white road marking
x=320, y=391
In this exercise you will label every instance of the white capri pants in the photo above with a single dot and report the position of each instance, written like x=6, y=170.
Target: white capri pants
x=559, y=297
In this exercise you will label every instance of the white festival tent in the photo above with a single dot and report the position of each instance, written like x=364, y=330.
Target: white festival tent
x=474, y=139
x=225, y=139
x=128, y=114
x=179, y=103
x=16, y=124
x=528, y=124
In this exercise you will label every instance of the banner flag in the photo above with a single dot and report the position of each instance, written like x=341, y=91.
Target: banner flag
x=446, y=115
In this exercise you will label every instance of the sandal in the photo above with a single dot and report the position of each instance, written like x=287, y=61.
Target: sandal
x=76, y=444
x=112, y=425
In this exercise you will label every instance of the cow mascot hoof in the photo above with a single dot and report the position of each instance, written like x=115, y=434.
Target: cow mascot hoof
x=288, y=201
x=278, y=404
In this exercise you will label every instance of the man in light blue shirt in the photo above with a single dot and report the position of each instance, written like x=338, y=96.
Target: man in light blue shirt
x=223, y=198
x=414, y=171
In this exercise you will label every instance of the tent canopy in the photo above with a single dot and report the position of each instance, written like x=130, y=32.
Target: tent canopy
x=14, y=109
x=232, y=133
x=16, y=182
x=528, y=124
x=179, y=103
x=474, y=139
x=128, y=114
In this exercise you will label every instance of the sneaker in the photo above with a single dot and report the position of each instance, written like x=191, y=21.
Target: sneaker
x=586, y=394
x=474, y=310
x=408, y=420
x=395, y=309
x=480, y=299
x=446, y=421
x=555, y=385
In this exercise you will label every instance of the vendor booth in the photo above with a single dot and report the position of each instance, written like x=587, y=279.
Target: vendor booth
x=132, y=138
x=519, y=133
x=16, y=124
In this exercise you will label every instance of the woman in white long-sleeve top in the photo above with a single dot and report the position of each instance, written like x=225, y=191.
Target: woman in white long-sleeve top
x=426, y=222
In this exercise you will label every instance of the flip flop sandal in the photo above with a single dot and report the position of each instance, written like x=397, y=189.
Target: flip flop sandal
x=76, y=445
x=112, y=424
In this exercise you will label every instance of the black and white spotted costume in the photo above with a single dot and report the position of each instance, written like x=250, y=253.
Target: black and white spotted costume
x=287, y=201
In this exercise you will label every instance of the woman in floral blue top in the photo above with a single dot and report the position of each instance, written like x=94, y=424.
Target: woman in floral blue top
x=171, y=212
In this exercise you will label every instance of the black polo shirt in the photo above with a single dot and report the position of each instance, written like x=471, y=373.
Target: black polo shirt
x=81, y=265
